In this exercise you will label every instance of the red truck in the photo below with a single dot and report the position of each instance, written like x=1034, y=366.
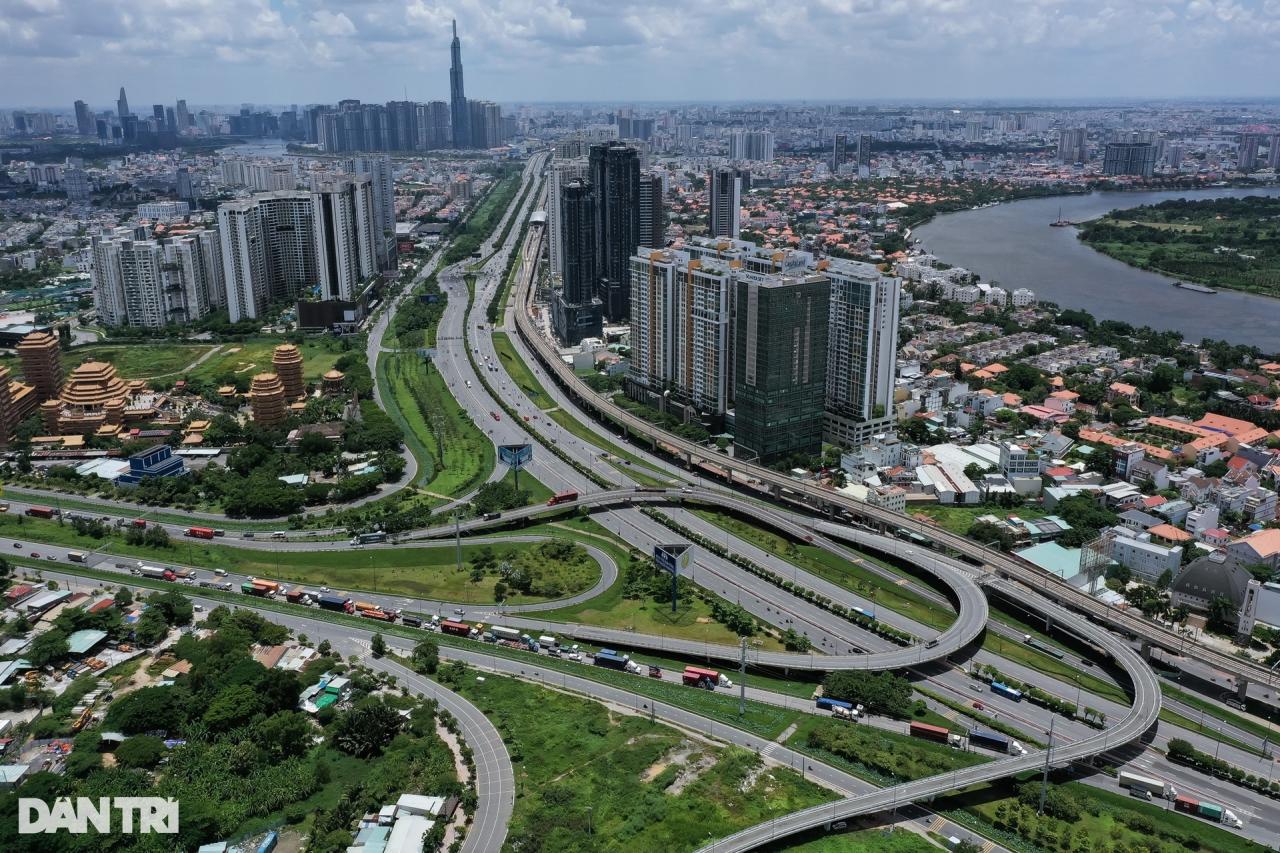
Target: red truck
x=380, y=615
x=200, y=532
x=695, y=676
x=929, y=732
x=562, y=498
x=41, y=511
x=458, y=629
x=139, y=523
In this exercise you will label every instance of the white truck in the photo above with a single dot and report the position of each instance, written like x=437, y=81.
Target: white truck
x=1153, y=786
x=548, y=642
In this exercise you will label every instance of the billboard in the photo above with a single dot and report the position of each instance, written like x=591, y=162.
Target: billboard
x=515, y=456
x=673, y=558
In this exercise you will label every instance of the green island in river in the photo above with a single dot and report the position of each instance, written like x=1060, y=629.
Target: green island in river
x=1229, y=243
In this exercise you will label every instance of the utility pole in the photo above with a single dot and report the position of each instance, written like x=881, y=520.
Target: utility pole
x=1044, y=781
x=742, y=677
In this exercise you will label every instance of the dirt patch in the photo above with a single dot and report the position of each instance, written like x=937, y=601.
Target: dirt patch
x=677, y=755
x=704, y=620
x=691, y=773
x=691, y=761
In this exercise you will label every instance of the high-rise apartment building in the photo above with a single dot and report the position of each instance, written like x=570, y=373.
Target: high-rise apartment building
x=382, y=184
x=1073, y=145
x=460, y=117
x=268, y=250
x=1247, y=151
x=614, y=172
x=862, y=348
x=680, y=333
x=754, y=145
x=155, y=283
x=653, y=213
x=576, y=311
x=864, y=154
x=344, y=237
x=75, y=183
x=630, y=127
x=724, y=202
x=560, y=174
x=780, y=331
x=84, y=119
x=1273, y=156
x=839, y=151
x=1129, y=158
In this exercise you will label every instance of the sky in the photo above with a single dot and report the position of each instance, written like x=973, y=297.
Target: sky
x=53, y=52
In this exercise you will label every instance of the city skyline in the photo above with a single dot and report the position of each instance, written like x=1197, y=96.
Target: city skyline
x=558, y=51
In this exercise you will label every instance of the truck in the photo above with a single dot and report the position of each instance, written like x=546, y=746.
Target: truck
x=840, y=712
x=379, y=614
x=457, y=629
x=368, y=538
x=297, y=595
x=696, y=676
x=989, y=740
x=548, y=642
x=610, y=659
x=1207, y=810
x=336, y=603
x=75, y=556
x=364, y=605
x=1153, y=786
x=413, y=620
x=139, y=523
x=562, y=498
x=826, y=703
x=1006, y=691
x=510, y=635
x=200, y=532
x=928, y=732
x=156, y=573
x=41, y=511
x=866, y=614
x=1042, y=647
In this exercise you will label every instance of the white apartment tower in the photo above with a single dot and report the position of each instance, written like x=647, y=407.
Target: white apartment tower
x=344, y=236
x=862, y=347
x=155, y=283
x=382, y=183
x=268, y=250
x=562, y=172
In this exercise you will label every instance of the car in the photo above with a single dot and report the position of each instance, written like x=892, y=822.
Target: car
x=51, y=557
x=976, y=688
x=17, y=545
x=839, y=825
x=979, y=706
x=324, y=589
x=35, y=554
x=495, y=416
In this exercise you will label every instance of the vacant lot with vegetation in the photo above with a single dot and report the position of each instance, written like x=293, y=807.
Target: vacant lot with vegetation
x=1225, y=242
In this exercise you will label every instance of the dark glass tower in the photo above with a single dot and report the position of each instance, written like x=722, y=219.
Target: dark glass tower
x=458, y=112
x=614, y=170
x=576, y=311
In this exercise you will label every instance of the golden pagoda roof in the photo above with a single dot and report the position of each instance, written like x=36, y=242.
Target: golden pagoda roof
x=92, y=384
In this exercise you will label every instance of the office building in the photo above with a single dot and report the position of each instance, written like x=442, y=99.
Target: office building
x=614, y=172
x=753, y=145
x=156, y=283
x=680, y=334
x=864, y=155
x=635, y=128
x=1073, y=145
x=576, y=310
x=122, y=106
x=1247, y=151
x=459, y=115
x=382, y=184
x=84, y=119
x=839, y=152
x=779, y=377
x=560, y=174
x=41, y=356
x=862, y=347
x=653, y=212
x=724, y=202
x=163, y=211
x=183, y=115
x=343, y=228
x=268, y=250
x=183, y=185
x=1129, y=158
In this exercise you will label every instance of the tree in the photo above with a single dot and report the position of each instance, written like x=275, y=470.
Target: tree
x=1181, y=750
x=284, y=734
x=145, y=709
x=151, y=627
x=174, y=607
x=1223, y=615
x=365, y=730
x=377, y=646
x=1166, y=578
x=47, y=648
x=325, y=648
x=881, y=692
x=426, y=656
x=140, y=751
x=233, y=707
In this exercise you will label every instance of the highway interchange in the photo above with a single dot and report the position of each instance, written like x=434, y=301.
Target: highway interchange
x=465, y=342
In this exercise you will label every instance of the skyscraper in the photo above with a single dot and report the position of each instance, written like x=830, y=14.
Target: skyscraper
x=84, y=119
x=157, y=115
x=862, y=346
x=780, y=330
x=653, y=213
x=154, y=283
x=1247, y=152
x=344, y=239
x=614, y=171
x=1072, y=145
x=461, y=118
x=382, y=183
x=756, y=145
x=839, y=152
x=1273, y=156
x=1129, y=158
x=183, y=116
x=122, y=105
x=575, y=309
x=724, y=196
x=561, y=172
x=268, y=250
x=864, y=155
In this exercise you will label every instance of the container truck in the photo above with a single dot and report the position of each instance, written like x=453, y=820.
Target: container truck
x=610, y=659
x=1207, y=810
x=457, y=629
x=928, y=732
x=200, y=532
x=268, y=587
x=548, y=642
x=368, y=538
x=990, y=740
x=562, y=498
x=379, y=614
x=156, y=573
x=75, y=556
x=1006, y=691
x=336, y=603
x=41, y=511
x=826, y=703
x=413, y=620
x=1042, y=647
x=708, y=678
x=508, y=634
x=364, y=605
x=1155, y=787
x=296, y=595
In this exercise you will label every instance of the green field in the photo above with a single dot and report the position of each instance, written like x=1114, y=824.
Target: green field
x=857, y=841
x=520, y=372
x=958, y=519
x=589, y=779
x=139, y=361
x=254, y=356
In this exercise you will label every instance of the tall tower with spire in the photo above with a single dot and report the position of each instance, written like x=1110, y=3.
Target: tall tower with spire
x=122, y=104
x=458, y=113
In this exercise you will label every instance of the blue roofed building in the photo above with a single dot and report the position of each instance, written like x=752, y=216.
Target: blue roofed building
x=155, y=461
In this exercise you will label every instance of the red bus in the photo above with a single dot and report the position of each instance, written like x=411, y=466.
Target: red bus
x=562, y=498
x=200, y=532
x=458, y=629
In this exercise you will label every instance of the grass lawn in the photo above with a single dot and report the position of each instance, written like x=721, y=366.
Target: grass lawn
x=828, y=566
x=254, y=356
x=394, y=376
x=591, y=780
x=858, y=841
x=877, y=755
x=538, y=493
x=520, y=372
x=1063, y=671
x=1182, y=722
x=958, y=519
x=416, y=572
x=1217, y=712
x=138, y=361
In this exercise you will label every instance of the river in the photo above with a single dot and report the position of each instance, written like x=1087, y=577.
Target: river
x=1013, y=244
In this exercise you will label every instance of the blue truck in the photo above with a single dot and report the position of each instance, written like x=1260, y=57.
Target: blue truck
x=826, y=703
x=610, y=659
x=1006, y=691
x=990, y=740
